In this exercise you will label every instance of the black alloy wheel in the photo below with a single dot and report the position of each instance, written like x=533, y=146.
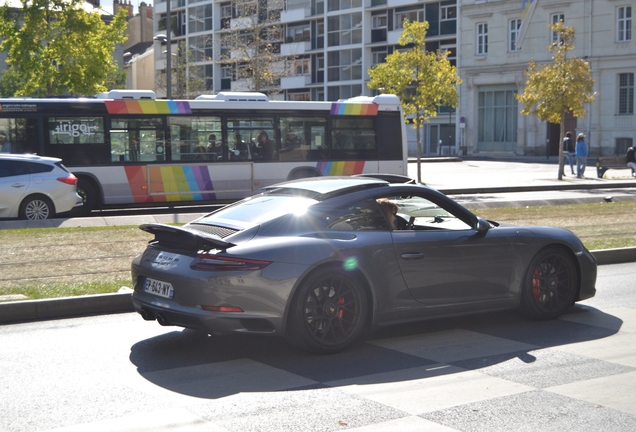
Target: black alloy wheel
x=550, y=284
x=329, y=312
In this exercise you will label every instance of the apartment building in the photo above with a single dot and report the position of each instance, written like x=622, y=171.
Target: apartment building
x=497, y=39
x=333, y=43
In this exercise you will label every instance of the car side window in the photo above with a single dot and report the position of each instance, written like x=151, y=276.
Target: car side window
x=363, y=215
x=5, y=168
x=35, y=167
x=423, y=214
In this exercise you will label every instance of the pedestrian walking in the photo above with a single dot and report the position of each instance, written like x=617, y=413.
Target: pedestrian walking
x=568, y=150
x=581, y=155
x=631, y=160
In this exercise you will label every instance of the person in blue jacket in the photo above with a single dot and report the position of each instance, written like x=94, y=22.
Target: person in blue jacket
x=581, y=155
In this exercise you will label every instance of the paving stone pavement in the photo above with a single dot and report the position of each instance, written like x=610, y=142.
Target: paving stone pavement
x=499, y=372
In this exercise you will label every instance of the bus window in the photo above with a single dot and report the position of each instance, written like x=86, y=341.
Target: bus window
x=303, y=139
x=353, y=138
x=196, y=139
x=251, y=139
x=21, y=135
x=78, y=140
x=137, y=140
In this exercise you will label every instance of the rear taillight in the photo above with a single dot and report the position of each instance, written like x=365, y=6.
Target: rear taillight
x=221, y=308
x=70, y=179
x=211, y=262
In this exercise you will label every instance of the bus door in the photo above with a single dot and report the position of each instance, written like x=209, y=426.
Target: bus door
x=137, y=140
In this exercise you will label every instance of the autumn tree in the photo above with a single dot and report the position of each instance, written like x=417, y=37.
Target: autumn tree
x=423, y=80
x=55, y=47
x=186, y=77
x=252, y=45
x=558, y=88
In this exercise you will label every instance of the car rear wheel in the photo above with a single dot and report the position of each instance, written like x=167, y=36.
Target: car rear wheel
x=550, y=284
x=36, y=208
x=329, y=312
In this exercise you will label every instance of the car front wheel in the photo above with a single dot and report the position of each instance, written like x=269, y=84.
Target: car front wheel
x=550, y=284
x=36, y=208
x=329, y=312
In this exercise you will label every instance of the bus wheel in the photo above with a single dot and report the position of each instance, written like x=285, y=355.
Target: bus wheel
x=89, y=197
x=302, y=173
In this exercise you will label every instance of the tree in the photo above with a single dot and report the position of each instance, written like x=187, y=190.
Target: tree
x=56, y=47
x=252, y=45
x=424, y=81
x=556, y=89
x=186, y=78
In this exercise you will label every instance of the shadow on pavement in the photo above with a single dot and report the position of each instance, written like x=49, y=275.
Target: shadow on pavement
x=195, y=364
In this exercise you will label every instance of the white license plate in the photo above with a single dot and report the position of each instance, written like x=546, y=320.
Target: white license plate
x=160, y=288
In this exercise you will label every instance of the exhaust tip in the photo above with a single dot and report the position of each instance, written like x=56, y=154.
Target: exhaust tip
x=162, y=320
x=147, y=314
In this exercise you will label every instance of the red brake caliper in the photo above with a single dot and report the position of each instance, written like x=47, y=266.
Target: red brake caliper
x=536, y=284
x=341, y=302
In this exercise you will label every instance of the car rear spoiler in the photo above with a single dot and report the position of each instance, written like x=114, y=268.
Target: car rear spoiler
x=182, y=238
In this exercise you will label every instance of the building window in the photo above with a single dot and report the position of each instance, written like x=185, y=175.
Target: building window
x=246, y=8
x=201, y=48
x=344, y=65
x=448, y=13
x=557, y=18
x=298, y=34
x=378, y=55
x=303, y=96
x=497, y=121
x=624, y=24
x=200, y=18
x=482, y=39
x=302, y=67
x=344, y=29
x=379, y=21
x=411, y=15
x=343, y=92
x=626, y=94
x=515, y=25
x=334, y=5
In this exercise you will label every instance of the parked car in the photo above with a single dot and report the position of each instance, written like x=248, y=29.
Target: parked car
x=34, y=187
x=320, y=261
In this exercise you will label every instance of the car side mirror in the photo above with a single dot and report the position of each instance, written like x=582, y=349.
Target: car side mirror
x=482, y=226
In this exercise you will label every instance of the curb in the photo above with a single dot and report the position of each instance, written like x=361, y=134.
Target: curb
x=66, y=307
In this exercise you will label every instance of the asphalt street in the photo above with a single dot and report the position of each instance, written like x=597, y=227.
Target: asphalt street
x=488, y=372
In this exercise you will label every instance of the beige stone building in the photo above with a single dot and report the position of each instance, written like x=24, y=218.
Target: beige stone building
x=498, y=38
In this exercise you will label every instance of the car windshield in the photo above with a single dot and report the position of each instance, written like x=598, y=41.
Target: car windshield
x=263, y=208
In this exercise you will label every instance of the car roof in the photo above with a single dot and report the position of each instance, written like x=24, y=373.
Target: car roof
x=321, y=188
x=28, y=157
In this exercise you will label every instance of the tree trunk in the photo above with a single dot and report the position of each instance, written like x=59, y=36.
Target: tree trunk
x=419, y=149
x=561, y=136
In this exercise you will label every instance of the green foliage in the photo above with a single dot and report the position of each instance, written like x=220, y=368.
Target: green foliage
x=560, y=87
x=424, y=81
x=56, y=47
x=556, y=89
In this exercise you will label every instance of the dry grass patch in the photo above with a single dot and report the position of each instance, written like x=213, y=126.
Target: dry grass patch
x=60, y=262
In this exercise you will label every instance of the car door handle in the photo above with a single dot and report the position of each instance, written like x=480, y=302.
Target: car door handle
x=18, y=185
x=413, y=255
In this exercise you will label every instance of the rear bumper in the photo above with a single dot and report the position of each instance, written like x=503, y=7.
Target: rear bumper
x=207, y=321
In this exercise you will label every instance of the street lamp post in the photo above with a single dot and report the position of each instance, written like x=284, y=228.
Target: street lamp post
x=166, y=38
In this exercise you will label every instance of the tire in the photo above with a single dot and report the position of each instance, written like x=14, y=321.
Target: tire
x=36, y=207
x=302, y=174
x=550, y=284
x=87, y=191
x=329, y=312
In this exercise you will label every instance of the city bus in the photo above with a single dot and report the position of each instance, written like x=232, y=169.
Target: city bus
x=129, y=149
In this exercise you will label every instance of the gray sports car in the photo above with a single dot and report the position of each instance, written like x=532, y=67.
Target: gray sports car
x=321, y=260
